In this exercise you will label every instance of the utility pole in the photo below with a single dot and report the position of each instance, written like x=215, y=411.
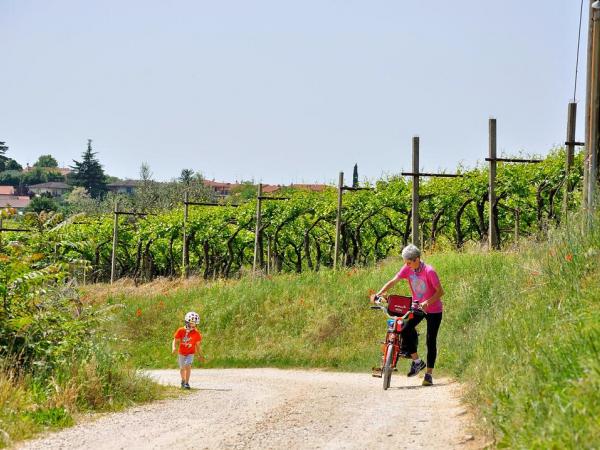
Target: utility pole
x=592, y=136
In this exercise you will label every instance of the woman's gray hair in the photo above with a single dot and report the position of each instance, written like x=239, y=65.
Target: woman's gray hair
x=411, y=252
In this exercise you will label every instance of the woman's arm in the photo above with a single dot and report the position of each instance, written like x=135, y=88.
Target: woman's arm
x=387, y=286
x=434, y=298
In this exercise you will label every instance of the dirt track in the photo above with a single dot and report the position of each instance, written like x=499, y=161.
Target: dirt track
x=272, y=409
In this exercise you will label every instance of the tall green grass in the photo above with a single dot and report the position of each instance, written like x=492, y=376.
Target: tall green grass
x=30, y=404
x=520, y=328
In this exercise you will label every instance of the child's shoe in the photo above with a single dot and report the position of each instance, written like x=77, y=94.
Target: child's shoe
x=182, y=384
x=186, y=386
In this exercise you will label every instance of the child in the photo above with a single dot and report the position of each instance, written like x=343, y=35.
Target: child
x=189, y=343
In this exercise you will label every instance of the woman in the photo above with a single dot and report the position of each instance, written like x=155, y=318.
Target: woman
x=427, y=293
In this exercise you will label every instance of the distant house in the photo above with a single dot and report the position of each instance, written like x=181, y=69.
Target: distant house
x=7, y=190
x=124, y=187
x=14, y=201
x=221, y=189
x=54, y=188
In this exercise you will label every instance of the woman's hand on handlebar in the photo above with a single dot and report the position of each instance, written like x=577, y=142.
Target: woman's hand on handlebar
x=377, y=298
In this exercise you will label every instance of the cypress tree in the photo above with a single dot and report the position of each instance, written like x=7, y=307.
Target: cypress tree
x=355, y=176
x=89, y=174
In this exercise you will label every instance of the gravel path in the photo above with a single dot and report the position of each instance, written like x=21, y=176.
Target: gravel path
x=277, y=409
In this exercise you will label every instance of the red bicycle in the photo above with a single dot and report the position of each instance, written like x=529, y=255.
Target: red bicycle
x=399, y=310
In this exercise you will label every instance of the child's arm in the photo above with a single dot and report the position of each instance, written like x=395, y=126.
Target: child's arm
x=174, y=345
x=201, y=357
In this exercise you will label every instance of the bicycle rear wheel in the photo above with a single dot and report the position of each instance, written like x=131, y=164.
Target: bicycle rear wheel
x=387, y=366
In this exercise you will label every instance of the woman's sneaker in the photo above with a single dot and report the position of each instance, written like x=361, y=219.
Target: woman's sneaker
x=186, y=386
x=428, y=380
x=182, y=384
x=415, y=368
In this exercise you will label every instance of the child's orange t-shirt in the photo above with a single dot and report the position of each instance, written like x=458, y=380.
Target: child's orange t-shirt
x=188, y=340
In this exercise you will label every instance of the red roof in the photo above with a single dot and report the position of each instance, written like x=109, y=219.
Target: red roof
x=14, y=201
x=7, y=190
x=269, y=188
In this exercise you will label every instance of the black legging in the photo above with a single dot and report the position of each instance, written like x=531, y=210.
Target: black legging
x=410, y=336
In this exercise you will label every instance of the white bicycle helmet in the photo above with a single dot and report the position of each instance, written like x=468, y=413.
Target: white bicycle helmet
x=192, y=317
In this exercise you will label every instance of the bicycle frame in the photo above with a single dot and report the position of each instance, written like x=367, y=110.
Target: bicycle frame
x=393, y=339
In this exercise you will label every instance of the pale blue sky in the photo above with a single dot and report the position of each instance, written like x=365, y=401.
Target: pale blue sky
x=282, y=91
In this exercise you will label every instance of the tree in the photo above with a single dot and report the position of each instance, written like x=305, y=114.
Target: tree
x=39, y=204
x=46, y=161
x=145, y=172
x=77, y=195
x=11, y=164
x=89, y=173
x=355, y=176
x=3, y=157
x=186, y=176
x=245, y=190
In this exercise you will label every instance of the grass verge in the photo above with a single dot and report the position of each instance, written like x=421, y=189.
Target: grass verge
x=31, y=404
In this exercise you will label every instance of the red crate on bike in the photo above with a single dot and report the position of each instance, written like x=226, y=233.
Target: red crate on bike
x=398, y=305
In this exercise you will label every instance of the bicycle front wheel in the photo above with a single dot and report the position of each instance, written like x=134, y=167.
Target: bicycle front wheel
x=387, y=366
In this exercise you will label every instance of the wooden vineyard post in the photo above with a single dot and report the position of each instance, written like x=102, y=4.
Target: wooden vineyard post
x=268, y=254
x=570, y=144
x=186, y=260
x=338, y=221
x=517, y=224
x=185, y=272
x=259, y=199
x=415, y=192
x=493, y=238
x=257, y=232
x=492, y=235
x=416, y=174
x=113, y=258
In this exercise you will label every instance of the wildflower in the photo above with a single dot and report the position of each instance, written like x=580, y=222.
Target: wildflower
x=138, y=313
x=569, y=257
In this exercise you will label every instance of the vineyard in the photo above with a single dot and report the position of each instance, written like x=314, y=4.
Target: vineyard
x=298, y=234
